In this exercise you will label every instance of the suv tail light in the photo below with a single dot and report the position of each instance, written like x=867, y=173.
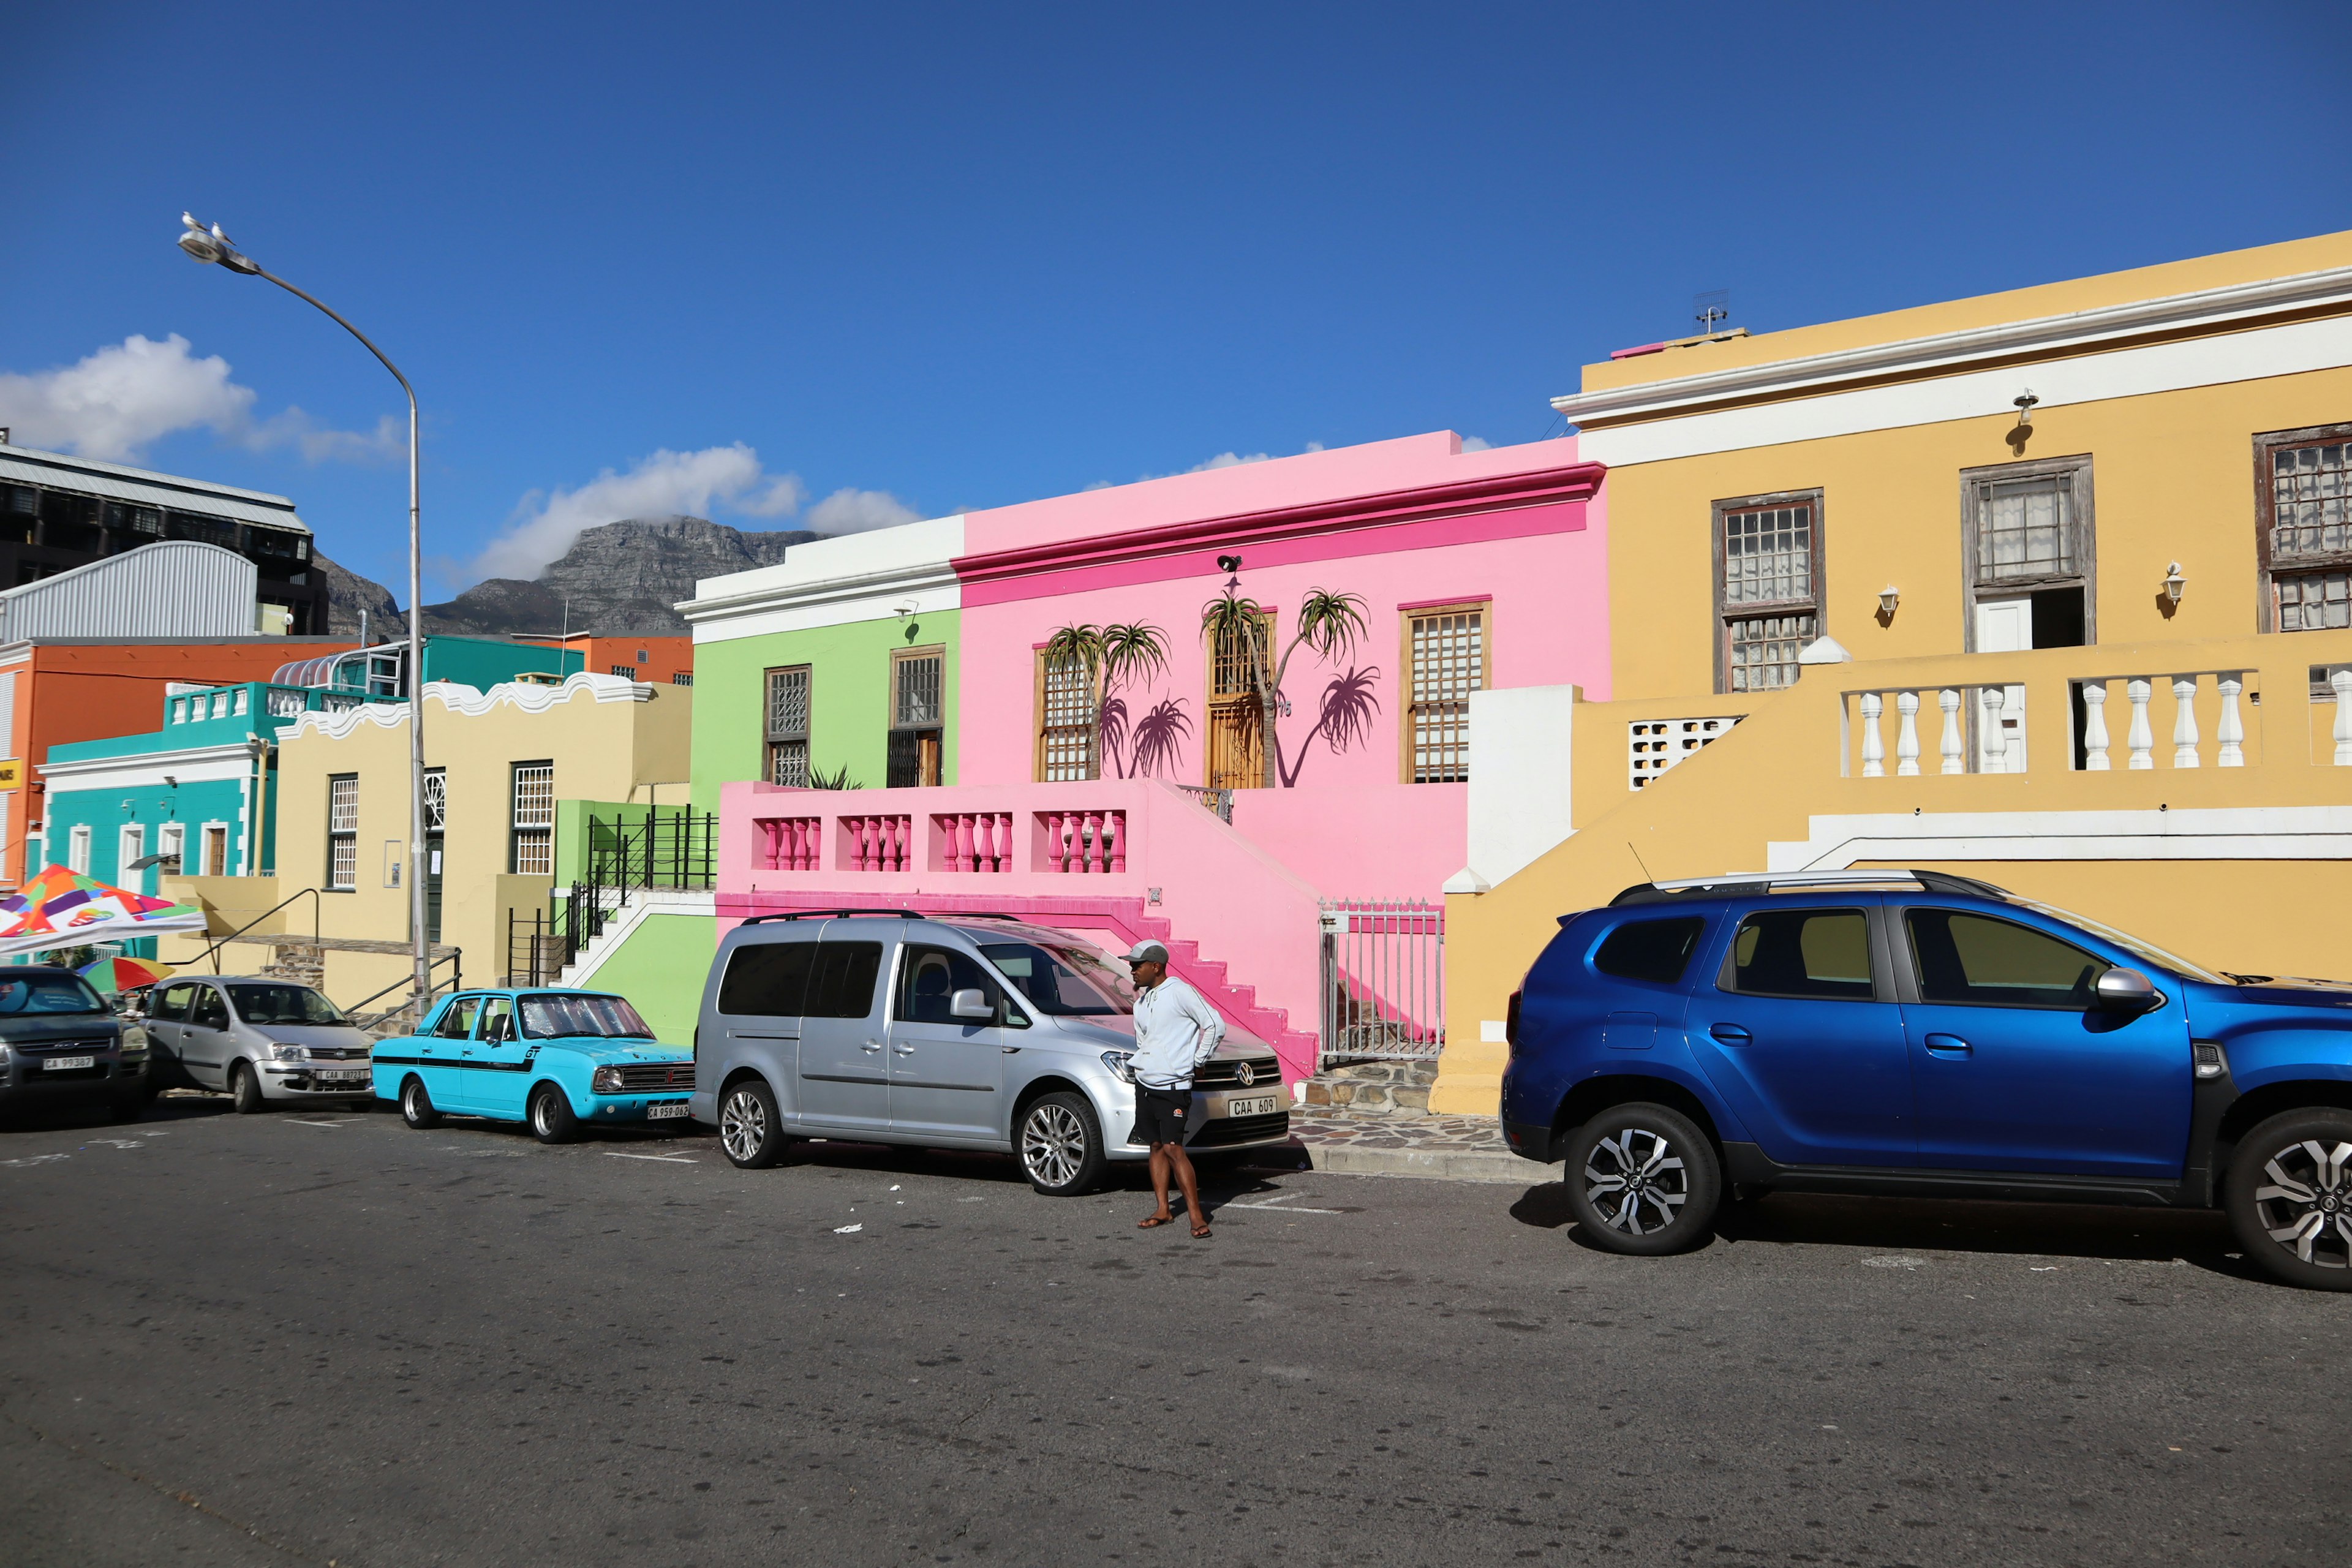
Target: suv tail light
x=1511, y=1021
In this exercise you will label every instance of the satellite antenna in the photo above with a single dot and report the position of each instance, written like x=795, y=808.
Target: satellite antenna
x=1709, y=308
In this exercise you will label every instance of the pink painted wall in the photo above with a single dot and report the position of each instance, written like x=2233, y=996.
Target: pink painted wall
x=1349, y=826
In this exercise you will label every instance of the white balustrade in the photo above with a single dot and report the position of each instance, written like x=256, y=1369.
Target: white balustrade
x=1874, y=750
x=2094, y=727
x=1907, y=737
x=2184, y=721
x=1954, y=751
x=2141, y=740
x=1993, y=738
x=2230, y=731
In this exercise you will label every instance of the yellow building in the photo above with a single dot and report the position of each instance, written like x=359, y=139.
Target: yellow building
x=2047, y=587
x=500, y=762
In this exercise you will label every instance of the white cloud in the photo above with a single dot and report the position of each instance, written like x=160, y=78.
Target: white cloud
x=667, y=483
x=112, y=404
x=1228, y=460
x=1475, y=444
x=847, y=511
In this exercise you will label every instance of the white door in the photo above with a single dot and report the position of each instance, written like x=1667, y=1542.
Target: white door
x=2004, y=625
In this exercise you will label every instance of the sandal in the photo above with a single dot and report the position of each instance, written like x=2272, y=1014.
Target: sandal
x=1200, y=1230
x=1150, y=1222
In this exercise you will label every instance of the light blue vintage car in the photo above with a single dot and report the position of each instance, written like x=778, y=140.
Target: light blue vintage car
x=560, y=1061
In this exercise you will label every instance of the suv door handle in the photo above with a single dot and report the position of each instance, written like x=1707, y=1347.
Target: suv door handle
x=1729, y=1033
x=1948, y=1045
x=871, y=1046
x=905, y=1050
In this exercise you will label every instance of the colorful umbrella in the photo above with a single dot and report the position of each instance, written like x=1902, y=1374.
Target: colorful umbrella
x=65, y=908
x=113, y=976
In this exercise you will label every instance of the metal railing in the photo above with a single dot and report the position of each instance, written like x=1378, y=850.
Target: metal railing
x=213, y=951
x=1220, y=801
x=1384, y=980
x=677, y=850
x=374, y=1022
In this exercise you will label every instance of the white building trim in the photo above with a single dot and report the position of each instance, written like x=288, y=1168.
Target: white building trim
x=833, y=582
x=2077, y=332
x=472, y=702
x=2225, y=833
x=230, y=759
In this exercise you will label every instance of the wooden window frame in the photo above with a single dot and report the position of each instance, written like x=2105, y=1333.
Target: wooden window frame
x=899, y=659
x=1270, y=620
x=520, y=833
x=2082, y=495
x=770, y=738
x=1038, y=708
x=1724, y=612
x=1484, y=605
x=335, y=835
x=2266, y=574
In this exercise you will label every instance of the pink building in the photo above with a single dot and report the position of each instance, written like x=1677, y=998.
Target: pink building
x=1466, y=571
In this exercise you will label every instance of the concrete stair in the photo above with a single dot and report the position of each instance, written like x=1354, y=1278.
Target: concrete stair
x=1237, y=1002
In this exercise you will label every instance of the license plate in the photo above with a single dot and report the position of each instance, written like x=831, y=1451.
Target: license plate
x=660, y=1112
x=340, y=1075
x=55, y=1063
x=1263, y=1105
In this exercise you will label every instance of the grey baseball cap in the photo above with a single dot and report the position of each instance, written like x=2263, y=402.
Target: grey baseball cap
x=1147, y=952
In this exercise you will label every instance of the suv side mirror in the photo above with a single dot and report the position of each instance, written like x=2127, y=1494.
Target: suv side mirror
x=972, y=1003
x=2126, y=991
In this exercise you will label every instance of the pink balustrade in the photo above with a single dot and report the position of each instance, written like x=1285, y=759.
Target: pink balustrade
x=878, y=842
x=974, y=841
x=1085, y=841
x=790, y=842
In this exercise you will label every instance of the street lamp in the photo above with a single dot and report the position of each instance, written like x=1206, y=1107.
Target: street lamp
x=210, y=245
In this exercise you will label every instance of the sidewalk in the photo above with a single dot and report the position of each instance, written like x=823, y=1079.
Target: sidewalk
x=1447, y=1148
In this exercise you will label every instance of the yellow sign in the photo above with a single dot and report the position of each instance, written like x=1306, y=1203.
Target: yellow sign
x=12, y=775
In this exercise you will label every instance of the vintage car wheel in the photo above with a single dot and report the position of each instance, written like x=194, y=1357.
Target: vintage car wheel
x=750, y=1128
x=416, y=1106
x=1060, y=1145
x=552, y=1117
x=1642, y=1180
x=244, y=1088
x=2289, y=1197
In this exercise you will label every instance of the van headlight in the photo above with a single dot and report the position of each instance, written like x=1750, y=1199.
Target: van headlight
x=1117, y=1061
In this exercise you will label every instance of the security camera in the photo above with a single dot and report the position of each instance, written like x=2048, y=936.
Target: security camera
x=1229, y=563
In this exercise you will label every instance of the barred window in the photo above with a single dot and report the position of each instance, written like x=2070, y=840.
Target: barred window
x=915, y=751
x=1067, y=728
x=1768, y=587
x=2025, y=529
x=534, y=820
x=1445, y=649
x=916, y=702
x=627, y=672
x=1238, y=655
x=343, y=832
x=788, y=726
x=2305, y=501
x=436, y=800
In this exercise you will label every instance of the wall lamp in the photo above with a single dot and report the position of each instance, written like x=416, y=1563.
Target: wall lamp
x=2175, y=581
x=2024, y=401
x=1887, y=599
x=1229, y=563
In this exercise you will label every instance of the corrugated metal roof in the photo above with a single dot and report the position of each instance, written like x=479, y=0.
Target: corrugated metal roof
x=175, y=587
x=26, y=464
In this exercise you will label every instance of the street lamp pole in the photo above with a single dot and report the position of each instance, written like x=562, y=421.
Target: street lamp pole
x=210, y=245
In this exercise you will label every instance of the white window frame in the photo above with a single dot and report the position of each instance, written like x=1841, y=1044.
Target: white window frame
x=342, y=833
x=532, y=788
x=78, y=848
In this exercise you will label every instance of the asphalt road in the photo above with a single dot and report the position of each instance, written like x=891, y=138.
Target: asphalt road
x=323, y=1338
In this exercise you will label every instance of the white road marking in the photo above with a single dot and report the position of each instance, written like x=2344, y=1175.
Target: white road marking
x=120, y=1143
x=35, y=1160
x=297, y=1122
x=1279, y=1208
x=853, y=1229
x=664, y=1159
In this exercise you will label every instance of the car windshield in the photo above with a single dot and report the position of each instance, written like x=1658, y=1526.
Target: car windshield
x=546, y=1017
x=47, y=994
x=1065, y=981
x=284, y=1005
x=2134, y=945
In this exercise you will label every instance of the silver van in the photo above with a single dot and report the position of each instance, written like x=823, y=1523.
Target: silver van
x=262, y=1040
x=946, y=1032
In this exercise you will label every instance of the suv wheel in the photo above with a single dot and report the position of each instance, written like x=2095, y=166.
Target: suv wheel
x=416, y=1106
x=244, y=1088
x=1642, y=1180
x=750, y=1128
x=2289, y=1196
x=1061, y=1144
x=552, y=1120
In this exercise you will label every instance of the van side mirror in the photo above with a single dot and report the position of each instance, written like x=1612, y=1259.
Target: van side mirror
x=972, y=1003
x=2126, y=991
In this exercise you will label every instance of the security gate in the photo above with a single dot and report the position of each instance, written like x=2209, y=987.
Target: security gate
x=1384, y=980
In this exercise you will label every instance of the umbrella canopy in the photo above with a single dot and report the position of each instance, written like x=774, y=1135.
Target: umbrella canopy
x=65, y=908
x=113, y=976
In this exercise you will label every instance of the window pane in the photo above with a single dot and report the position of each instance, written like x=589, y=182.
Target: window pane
x=1804, y=952
x=1655, y=951
x=928, y=978
x=769, y=979
x=534, y=796
x=1448, y=665
x=841, y=986
x=1764, y=651
x=788, y=763
x=2315, y=600
x=1069, y=730
x=1767, y=555
x=788, y=704
x=1978, y=959
x=342, y=805
x=917, y=703
x=2311, y=499
x=2024, y=529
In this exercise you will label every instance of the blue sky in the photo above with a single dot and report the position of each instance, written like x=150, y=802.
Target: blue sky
x=922, y=258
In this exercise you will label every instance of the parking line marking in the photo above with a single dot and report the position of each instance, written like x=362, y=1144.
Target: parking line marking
x=664, y=1159
x=1279, y=1208
x=297, y=1122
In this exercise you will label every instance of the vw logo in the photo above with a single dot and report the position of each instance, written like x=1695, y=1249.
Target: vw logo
x=1245, y=1074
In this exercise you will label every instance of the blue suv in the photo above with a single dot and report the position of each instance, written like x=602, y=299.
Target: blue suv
x=1926, y=1035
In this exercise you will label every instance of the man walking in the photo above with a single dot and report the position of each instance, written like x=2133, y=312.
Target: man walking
x=1175, y=1031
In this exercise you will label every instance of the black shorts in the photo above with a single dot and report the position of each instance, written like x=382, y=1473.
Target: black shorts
x=1160, y=1114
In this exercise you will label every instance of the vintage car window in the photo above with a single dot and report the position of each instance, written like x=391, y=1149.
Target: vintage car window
x=1652, y=951
x=47, y=994
x=1977, y=959
x=293, y=1005
x=209, y=1011
x=552, y=1015
x=458, y=1019
x=767, y=979
x=1822, y=954
x=928, y=978
x=842, y=983
x=1063, y=982
x=497, y=1022
x=171, y=1004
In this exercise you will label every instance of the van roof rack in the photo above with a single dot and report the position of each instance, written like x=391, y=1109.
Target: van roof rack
x=1749, y=884
x=830, y=914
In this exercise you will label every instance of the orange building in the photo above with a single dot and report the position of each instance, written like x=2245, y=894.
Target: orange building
x=658, y=661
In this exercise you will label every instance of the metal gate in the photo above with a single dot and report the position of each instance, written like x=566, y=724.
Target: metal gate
x=1384, y=980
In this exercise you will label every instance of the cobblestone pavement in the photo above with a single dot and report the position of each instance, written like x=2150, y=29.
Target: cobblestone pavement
x=1463, y=1134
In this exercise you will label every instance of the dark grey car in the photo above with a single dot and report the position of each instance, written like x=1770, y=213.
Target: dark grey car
x=952, y=1033
x=58, y=1042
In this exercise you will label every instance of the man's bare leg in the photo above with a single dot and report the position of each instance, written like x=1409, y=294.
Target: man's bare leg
x=1190, y=1183
x=1159, y=1215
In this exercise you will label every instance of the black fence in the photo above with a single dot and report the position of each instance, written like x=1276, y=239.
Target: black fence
x=624, y=855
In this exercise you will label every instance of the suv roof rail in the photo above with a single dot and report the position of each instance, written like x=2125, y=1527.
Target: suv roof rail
x=1748, y=884
x=830, y=914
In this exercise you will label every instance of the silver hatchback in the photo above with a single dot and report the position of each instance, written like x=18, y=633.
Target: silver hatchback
x=261, y=1039
x=949, y=1033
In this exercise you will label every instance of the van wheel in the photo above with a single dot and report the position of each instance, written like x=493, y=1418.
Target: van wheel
x=1642, y=1180
x=2289, y=1197
x=552, y=1120
x=245, y=1089
x=1061, y=1145
x=416, y=1106
x=750, y=1128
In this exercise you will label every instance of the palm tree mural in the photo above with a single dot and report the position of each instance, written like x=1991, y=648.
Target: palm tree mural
x=1239, y=632
x=1125, y=653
